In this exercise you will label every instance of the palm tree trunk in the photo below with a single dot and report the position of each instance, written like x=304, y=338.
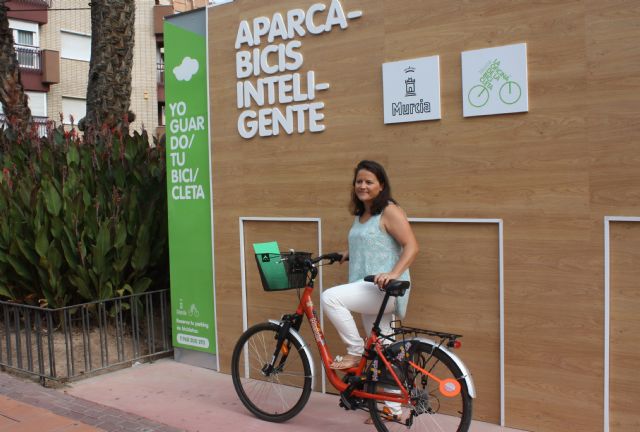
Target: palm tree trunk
x=12, y=96
x=112, y=43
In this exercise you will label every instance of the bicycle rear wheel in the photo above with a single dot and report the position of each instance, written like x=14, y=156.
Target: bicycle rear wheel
x=275, y=393
x=429, y=409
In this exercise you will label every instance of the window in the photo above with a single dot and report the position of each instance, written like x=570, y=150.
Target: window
x=75, y=46
x=161, y=116
x=37, y=103
x=75, y=107
x=25, y=33
x=25, y=37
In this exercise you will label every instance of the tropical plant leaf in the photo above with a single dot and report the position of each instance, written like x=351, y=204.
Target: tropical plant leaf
x=141, y=285
x=140, y=257
x=42, y=242
x=20, y=267
x=51, y=198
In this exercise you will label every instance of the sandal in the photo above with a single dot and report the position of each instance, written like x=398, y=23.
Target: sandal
x=385, y=416
x=347, y=361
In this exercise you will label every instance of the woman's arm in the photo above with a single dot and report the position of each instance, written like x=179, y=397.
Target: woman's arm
x=395, y=221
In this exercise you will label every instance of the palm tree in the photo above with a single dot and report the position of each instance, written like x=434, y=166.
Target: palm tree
x=112, y=42
x=12, y=96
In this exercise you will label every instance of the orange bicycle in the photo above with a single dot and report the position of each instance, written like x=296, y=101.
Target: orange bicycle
x=273, y=370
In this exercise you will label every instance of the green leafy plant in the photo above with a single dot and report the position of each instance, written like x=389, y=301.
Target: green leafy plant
x=81, y=219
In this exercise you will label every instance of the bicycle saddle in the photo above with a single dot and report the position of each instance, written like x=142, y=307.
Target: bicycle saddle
x=397, y=288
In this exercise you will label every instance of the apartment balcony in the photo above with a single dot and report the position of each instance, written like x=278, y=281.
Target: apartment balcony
x=39, y=124
x=29, y=10
x=38, y=68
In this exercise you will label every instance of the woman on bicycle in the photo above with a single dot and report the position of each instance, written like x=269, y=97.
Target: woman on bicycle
x=381, y=243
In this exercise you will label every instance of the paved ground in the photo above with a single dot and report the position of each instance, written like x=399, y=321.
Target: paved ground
x=164, y=396
x=27, y=406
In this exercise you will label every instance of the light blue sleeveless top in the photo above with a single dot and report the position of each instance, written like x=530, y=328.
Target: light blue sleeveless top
x=371, y=251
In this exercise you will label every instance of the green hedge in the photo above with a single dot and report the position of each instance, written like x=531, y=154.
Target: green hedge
x=79, y=220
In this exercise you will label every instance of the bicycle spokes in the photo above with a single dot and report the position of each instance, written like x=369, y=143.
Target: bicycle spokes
x=439, y=398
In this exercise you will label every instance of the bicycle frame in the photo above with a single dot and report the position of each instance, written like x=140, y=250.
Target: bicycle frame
x=306, y=308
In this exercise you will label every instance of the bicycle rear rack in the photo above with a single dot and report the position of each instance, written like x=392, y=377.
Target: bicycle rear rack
x=399, y=329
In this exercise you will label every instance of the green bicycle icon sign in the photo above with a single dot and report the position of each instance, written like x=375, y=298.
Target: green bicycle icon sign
x=509, y=92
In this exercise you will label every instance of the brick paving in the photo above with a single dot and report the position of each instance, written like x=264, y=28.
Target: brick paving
x=36, y=400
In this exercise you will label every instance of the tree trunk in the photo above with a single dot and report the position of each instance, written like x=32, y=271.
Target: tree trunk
x=112, y=42
x=12, y=96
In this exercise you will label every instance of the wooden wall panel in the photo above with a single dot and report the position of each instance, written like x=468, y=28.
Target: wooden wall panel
x=456, y=283
x=263, y=306
x=551, y=174
x=624, y=379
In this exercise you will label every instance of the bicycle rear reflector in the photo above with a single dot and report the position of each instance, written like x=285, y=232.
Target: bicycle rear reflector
x=450, y=387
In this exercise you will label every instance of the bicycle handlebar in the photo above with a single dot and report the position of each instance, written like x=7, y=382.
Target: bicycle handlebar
x=331, y=257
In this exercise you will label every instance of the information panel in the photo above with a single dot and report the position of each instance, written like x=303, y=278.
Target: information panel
x=188, y=183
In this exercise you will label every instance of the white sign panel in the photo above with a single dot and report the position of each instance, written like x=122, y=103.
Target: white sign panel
x=494, y=80
x=411, y=90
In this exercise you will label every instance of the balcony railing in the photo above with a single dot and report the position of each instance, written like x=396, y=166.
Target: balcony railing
x=160, y=73
x=40, y=123
x=29, y=58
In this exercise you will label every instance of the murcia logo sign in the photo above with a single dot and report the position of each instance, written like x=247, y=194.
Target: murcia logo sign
x=266, y=70
x=411, y=90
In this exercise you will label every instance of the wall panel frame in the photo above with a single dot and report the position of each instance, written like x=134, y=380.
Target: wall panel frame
x=607, y=309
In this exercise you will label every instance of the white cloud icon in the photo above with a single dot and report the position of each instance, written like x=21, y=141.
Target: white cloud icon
x=187, y=69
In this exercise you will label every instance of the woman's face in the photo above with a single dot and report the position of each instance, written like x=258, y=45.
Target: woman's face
x=367, y=187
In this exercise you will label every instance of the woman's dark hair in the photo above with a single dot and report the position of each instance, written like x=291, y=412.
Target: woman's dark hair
x=382, y=200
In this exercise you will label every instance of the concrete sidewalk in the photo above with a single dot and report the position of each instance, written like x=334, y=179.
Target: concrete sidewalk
x=165, y=396
x=197, y=399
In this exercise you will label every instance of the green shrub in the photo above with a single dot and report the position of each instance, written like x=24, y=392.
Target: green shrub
x=80, y=219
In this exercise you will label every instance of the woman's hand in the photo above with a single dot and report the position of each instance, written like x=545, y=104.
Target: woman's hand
x=345, y=256
x=382, y=279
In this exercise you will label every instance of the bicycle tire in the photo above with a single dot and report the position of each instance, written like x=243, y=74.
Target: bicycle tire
x=281, y=395
x=429, y=410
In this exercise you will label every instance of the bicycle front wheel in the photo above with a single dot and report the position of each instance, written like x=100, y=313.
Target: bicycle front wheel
x=272, y=388
x=430, y=409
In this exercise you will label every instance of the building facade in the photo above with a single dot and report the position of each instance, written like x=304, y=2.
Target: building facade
x=53, y=46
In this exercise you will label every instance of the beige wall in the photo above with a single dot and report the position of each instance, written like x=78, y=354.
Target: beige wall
x=187, y=5
x=551, y=175
x=74, y=73
x=144, y=95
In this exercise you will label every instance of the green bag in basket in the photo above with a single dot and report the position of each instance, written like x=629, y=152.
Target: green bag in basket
x=272, y=271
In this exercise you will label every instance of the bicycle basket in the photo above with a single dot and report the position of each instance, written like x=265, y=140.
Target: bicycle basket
x=282, y=271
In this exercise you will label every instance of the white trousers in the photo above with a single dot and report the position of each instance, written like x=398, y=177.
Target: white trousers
x=364, y=298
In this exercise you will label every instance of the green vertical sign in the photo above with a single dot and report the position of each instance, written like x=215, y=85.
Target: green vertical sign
x=188, y=180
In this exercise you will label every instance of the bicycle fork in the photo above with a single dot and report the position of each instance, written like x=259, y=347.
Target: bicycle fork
x=281, y=349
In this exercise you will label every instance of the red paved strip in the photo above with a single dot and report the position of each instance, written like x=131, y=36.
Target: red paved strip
x=20, y=417
x=27, y=406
